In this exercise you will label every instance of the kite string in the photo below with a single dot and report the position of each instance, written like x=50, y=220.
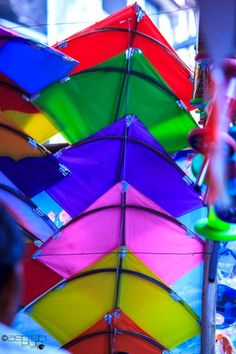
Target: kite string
x=173, y=11
x=118, y=252
x=93, y=22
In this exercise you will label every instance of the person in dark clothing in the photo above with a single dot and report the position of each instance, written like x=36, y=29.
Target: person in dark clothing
x=11, y=279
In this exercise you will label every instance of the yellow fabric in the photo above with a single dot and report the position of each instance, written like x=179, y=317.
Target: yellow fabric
x=158, y=314
x=36, y=125
x=69, y=311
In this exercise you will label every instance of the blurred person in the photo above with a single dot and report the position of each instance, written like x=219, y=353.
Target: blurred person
x=224, y=343
x=11, y=279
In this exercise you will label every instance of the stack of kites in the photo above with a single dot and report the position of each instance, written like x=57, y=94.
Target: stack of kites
x=105, y=247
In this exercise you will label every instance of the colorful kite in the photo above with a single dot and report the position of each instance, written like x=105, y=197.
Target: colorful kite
x=97, y=163
x=37, y=278
x=34, y=222
x=100, y=95
x=23, y=58
x=129, y=27
x=104, y=250
x=21, y=156
x=76, y=304
x=17, y=110
x=154, y=236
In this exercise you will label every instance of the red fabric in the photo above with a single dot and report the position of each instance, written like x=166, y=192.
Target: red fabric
x=11, y=100
x=37, y=277
x=120, y=342
x=91, y=48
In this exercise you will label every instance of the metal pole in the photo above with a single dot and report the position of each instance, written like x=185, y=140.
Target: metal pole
x=209, y=296
x=209, y=291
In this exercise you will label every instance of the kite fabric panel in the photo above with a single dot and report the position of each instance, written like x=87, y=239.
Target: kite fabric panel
x=27, y=214
x=71, y=307
x=120, y=332
x=32, y=168
x=15, y=144
x=106, y=259
x=22, y=156
x=37, y=278
x=130, y=27
x=16, y=110
x=155, y=237
x=23, y=58
x=98, y=96
x=96, y=164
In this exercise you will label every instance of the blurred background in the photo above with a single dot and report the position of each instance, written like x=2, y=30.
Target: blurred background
x=50, y=21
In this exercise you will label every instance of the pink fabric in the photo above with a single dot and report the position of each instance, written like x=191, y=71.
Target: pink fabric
x=155, y=241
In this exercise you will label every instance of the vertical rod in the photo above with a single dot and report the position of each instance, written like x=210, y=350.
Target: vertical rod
x=202, y=173
x=209, y=291
x=109, y=339
x=209, y=296
x=212, y=274
x=123, y=217
x=109, y=318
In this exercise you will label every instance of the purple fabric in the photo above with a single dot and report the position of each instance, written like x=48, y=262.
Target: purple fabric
x=96, y=165
x=31, y=174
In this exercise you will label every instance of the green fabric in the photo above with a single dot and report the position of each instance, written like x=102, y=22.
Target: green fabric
x=87, y=102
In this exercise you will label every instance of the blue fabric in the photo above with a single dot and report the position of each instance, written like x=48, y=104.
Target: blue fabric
x=31, y=66
x=49, y=206
x=189, y=288
x=192, y=346
x=26, y=216
x=226, y=305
